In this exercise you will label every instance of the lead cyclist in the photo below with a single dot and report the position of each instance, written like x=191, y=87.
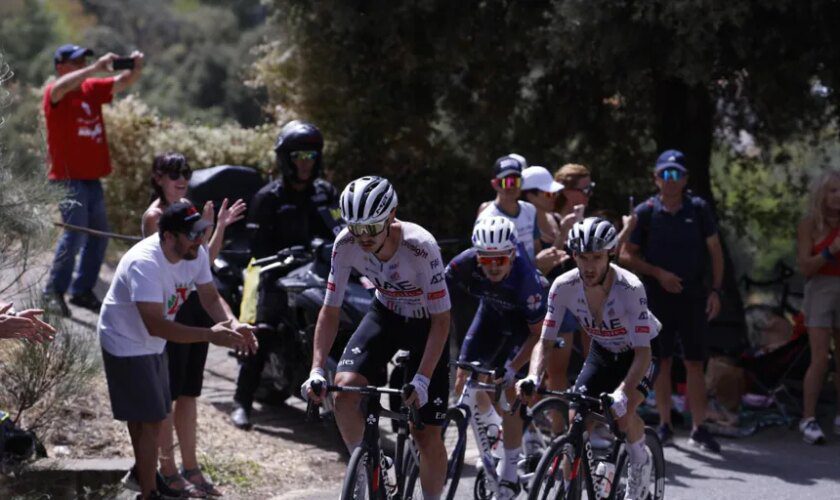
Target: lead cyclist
x=610, y=303
x=410, y=311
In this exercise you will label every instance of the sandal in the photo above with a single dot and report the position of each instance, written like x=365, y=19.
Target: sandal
x=179, y=487
x=197, y=480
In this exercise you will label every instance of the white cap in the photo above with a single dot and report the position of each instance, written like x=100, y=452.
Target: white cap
x=539, y=178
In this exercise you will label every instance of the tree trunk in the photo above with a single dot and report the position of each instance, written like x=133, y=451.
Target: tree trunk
x=685, y=117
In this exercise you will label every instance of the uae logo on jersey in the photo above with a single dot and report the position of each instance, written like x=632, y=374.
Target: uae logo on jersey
x=534, y=301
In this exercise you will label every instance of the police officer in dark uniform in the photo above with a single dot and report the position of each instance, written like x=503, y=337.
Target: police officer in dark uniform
x=291, y=210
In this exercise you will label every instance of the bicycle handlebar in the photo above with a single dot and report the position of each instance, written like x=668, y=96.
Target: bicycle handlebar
x=367, y=390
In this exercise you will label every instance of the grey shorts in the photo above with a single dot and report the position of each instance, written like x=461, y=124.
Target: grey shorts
x=138, y=386
x=822, y=302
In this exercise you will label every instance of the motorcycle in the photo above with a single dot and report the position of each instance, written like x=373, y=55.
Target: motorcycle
x=300, y=275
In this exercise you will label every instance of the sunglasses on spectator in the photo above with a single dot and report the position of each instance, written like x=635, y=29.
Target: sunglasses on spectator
x=509, y=182
x=303, y=155
x=186, y=173
x=671, y=174
x=498, y=260
x=588, y=190
x=194, y=235
x=367, y=229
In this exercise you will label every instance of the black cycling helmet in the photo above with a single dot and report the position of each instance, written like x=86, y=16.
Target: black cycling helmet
x=298, y=136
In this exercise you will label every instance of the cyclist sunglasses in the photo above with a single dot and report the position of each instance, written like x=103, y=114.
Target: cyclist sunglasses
x=186, y=173
x=509, y=182
x=498, y=260
x=303, y=155
x=367, y=229
x=671, y=174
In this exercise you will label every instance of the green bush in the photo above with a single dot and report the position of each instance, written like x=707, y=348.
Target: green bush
x=137, y=132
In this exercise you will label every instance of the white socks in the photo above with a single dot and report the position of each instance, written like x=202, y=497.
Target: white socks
x=636, y=452
x=508, y=463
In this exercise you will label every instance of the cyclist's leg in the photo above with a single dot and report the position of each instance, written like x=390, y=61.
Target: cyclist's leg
x=368, y=349
x=595, y=377
x=480, y=344
x=429, y=440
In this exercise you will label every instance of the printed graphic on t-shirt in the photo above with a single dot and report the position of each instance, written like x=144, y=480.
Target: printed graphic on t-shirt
x=176, y=300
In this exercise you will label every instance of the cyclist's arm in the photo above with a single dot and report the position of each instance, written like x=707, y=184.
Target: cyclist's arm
x=438, y=333
x=550, y=327
x=326, y=330
x=641, y=362
x=525, y=351
x=326, y=327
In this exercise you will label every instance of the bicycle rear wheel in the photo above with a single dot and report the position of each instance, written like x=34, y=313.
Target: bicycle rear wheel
x=656, y=488
x=363, y=479
x=454, y=432
x=556, y=477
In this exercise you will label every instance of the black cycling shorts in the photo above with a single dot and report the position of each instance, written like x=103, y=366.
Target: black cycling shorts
x=494, y=338
x=603, y=371
x=379, y=336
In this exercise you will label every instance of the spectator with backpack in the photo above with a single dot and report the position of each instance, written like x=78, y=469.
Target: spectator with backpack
x=674, y=234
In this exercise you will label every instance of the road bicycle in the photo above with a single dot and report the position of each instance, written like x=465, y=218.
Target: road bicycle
x=571, y=467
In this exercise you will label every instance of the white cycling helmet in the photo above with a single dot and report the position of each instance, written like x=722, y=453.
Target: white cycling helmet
x=494, y=234
x=592, y=234
x=367, y=200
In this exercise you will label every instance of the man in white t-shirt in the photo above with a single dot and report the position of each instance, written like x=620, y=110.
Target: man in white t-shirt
x=137, y=318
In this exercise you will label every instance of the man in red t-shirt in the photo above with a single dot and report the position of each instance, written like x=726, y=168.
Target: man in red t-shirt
x=78, y=157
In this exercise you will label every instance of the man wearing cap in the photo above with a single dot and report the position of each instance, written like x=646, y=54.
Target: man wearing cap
x=674, y=234
x=78, y=157
x=150, y=284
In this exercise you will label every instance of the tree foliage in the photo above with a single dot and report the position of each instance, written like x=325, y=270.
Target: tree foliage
x=431, y=92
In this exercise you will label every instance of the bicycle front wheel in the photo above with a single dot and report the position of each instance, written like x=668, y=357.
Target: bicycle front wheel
x=363, y=479
x=556, y=477
x=454, y=433
x=656, y=487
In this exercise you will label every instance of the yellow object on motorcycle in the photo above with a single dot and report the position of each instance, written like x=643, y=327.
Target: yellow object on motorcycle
x=250, y=294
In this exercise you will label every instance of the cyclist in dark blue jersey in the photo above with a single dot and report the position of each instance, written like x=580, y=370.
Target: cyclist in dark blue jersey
x=506, y=326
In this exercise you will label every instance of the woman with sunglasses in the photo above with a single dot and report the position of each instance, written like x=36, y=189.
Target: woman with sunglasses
x=169, y=180
x=410, y=311
x=506, y=326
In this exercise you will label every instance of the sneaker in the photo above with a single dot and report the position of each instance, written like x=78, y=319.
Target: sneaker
x=54, y=302
x=508, y=490
x=87, y=300
x=241, y=418
x=837, y=425
x=702, y=438
x=638, y=479
x=811, y=432
x=665, y=434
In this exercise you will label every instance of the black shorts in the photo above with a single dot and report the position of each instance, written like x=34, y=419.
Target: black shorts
x=683, y=317
x=379, y=336
x=186, y=361
x=137, y=386
x=494, y=338
x=603, y=371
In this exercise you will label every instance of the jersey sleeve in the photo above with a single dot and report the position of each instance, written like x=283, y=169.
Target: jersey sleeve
x=459, y=270
x=555, y=311
x=340, y=269
x=144, y=282
x=707, y=217
x=204, y=275
x=434, y=281
x=532, y=296
x=643, y=328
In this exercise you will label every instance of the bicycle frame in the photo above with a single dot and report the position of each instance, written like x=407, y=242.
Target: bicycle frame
x=468, y=402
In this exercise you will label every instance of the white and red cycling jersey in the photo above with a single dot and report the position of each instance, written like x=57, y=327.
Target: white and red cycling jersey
x=411, y=283
x=626, y=320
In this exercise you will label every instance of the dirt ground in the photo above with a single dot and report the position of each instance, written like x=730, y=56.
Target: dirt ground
x=281, y=456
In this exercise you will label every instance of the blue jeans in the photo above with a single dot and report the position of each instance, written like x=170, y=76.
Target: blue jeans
x=84, y=206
